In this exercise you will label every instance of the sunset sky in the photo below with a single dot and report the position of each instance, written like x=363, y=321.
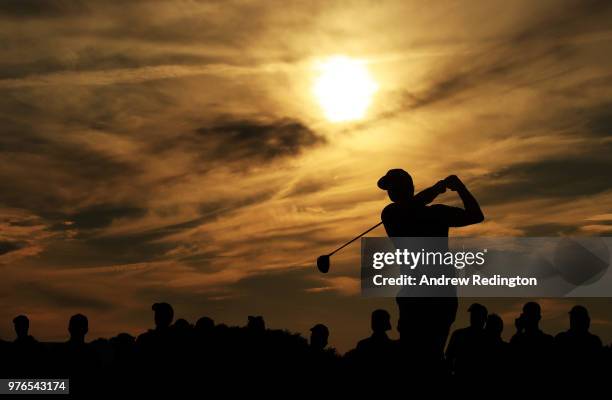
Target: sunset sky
x=177, y=150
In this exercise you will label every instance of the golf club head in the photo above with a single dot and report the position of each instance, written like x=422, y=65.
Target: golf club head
x=323, y=263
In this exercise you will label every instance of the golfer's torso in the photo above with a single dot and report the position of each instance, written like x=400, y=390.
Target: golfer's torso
x=409, y=221
x=429, y=230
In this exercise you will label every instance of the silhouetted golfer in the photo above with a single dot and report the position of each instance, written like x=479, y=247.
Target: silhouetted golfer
x=78, y=328
x=26, y=350
x=495, y=363
x=320, y=359
x=425, y=322
x=378, y=347
x=22, y=327
x=531, y=348
x=78, y=359
x=319, y=335
x=155, y=347
x=578, y=350
x=466, y=347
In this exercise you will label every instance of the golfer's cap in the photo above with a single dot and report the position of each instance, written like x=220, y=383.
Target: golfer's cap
x=478, y=308
x=579, y=310
x=320, y=328
x=393, y=177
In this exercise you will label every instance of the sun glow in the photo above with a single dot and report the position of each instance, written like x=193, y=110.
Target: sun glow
x=344, y=88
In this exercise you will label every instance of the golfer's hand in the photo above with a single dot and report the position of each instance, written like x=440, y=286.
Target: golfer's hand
x=453, y=183
x=440, y=187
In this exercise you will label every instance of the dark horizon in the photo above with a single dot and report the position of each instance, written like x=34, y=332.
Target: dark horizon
x=549, y=325
x=181, y=357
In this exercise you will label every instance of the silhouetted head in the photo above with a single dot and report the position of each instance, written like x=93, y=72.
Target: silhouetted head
x=182, y=324
x=123, y=339
x=256, y=323
x=381, y=321
x=532, y=313
x=22, y=326
x=123, y=344
x=494, y=326
x=398, y=184
x=579, y=319
x=478, y=315
x=205, y=324
x=78, y=327
x=319, y=334
x=164, y=314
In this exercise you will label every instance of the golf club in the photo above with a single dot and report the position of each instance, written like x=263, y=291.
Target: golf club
x=323, y=261
x=425, y=197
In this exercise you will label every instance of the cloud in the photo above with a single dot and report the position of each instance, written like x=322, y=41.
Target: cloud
x=98, y=216
x=7, y=246
x=74, y=42
x=547, y=41
x=571, y=177
x=54, y=166
x=308, y=186
x=169, y=150
x=255, y=140
x=548, y=229
x=61, y=297
x=33, y=8
x=540, y=49
x=128, y=71
x=599, y=118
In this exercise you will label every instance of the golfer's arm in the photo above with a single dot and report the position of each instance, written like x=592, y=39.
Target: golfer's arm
x=473, y=213
x=428, y=195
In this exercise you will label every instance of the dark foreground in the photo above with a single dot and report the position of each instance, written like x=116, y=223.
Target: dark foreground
x=177, y=356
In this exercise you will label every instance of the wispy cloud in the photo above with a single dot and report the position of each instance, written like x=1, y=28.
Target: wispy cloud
x=172, y=150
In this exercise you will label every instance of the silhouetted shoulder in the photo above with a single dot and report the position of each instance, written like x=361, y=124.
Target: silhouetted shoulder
x=596, y=340
x=146, y=337
x=389, y=212
x=547, y=338
x=588, y=338
x=393, y=218
x=538, y=338
x=459, y=334
x=562, y=337
x=27, y=340
x=363, y=344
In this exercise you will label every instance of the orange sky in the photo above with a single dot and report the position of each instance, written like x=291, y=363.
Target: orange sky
x=173, y=150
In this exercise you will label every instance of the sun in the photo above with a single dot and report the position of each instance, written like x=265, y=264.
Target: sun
x=344, y=88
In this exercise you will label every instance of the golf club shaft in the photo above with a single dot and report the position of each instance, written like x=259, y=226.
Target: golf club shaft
x=425, y=196
x=355, y=238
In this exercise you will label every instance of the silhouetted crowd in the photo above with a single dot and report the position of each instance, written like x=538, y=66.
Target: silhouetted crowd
x=190, y=355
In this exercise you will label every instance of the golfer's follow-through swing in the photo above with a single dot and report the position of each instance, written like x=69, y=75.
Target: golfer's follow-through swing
x=425, y=197
x=424, y=322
